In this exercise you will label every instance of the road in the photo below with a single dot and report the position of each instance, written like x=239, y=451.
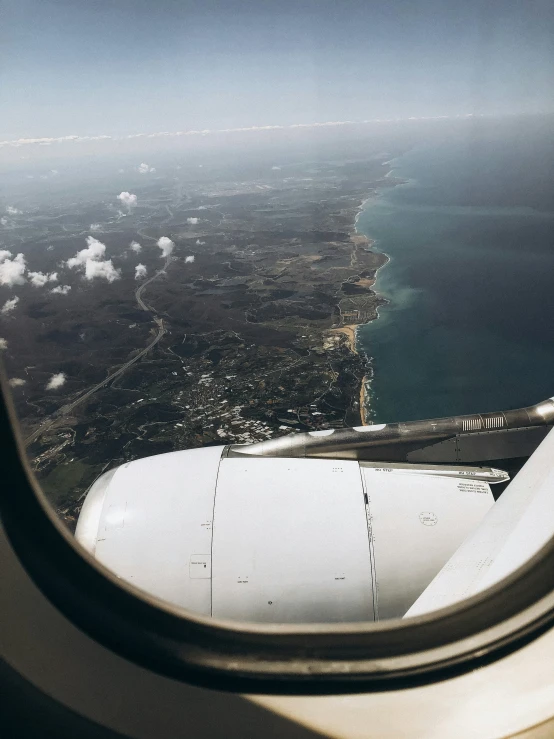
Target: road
x=140, y=288
x=65, y=409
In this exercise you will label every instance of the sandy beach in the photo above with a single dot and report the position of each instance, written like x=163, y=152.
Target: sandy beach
x=363, y=408
x=349, y=330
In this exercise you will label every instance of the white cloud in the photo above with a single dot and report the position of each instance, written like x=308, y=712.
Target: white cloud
x=189, y=260
x=90, y=259
x=39, y=279
x=16, y=382
x=135, y=246
x=140, y=271
x=200, y=243
x=9, y=305
x=61, y=290
x=127, y=198
x=12, y=271
x=145, y=169
x=95, y=227
x=192, y=221
x=56, y=381
x=166, y=245
x=276, y=168
x=104, y=270
x=4, y=254
x=54, y=172
x=3, y=344
x=11, y=211
x=46, y=140
x=95, y=250
x=4, y=221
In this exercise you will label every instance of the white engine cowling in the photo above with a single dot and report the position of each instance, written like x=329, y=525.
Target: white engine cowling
x=279, y=540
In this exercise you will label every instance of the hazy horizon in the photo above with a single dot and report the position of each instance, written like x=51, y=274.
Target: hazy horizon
x=134, y=68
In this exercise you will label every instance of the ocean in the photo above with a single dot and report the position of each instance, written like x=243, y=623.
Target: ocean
x=469, y=326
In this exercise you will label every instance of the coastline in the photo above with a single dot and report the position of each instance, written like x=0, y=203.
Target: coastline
x=363, y=403
x=364, y=408
x=350, y=330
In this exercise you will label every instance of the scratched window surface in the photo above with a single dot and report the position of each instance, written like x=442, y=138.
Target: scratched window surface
x=238, y=247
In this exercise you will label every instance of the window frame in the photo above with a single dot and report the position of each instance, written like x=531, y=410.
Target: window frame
x=261, y=658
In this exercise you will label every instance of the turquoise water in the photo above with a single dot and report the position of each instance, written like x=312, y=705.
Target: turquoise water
x=470, y=321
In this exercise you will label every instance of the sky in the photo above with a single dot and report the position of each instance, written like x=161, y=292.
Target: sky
x=118, y=67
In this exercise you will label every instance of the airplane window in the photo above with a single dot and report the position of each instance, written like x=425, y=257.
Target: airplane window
x=276, y=306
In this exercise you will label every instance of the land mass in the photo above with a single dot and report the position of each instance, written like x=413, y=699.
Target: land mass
x=254, y=337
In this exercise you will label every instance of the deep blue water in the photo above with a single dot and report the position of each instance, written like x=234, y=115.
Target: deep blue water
x=470, y=322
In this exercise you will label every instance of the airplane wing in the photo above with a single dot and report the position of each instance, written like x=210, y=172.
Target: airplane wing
x=512, y=531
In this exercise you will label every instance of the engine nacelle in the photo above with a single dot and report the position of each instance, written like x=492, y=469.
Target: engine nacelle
x=281, y=540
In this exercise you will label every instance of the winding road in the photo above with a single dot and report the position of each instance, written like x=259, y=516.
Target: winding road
x=65, y=409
